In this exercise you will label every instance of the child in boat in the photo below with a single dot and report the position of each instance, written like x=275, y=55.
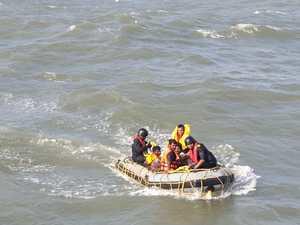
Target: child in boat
x=153, y=158
x=155, y=165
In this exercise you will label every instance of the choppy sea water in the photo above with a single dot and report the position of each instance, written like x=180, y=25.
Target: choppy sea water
x=78, y=78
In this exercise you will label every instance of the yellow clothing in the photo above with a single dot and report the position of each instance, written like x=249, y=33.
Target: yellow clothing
x=187, y=132
x=151, y=157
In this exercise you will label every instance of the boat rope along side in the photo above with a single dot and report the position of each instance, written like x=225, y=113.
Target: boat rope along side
x=191, y=181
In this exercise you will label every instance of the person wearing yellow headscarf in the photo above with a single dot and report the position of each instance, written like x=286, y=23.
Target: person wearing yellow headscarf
x=180, y=132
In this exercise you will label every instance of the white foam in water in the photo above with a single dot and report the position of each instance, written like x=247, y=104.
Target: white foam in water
x=245, y=180
x=122, y=137
x=226, y=155
x=67, y=187
x=72, y=27
x=105, y=30
x=103, y=124
x=209, y=34
x=273, y=28
x=38, y=169
x=80, y=151
x=162, y=11
x=61, y=143
x=5, y=97
x=51, y=6
x=270, y=12
x=29, y=105
x=245, y=27
x=274, y=12
x=252, y=28
x=50, y=76
x=280, y=12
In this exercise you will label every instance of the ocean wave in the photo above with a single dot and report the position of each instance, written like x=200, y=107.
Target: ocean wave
x=272, y=12
x=50, y=172
x=128, y=18
x=5, y=97
x=195, y=59
x=55, y=77
x=21, y=162
x=85, y=99
x=56, y=142
x=96, y=152
x=210, y=34
x=30, y=105
x=71, y=28
x=26, y=109
x=51, y=6
x=226, y=154
x=245, y=180
x=252, y=28
x=68, y=186
x=246, y=29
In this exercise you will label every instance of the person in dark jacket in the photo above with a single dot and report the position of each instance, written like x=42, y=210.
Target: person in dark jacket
x=140, y=146
x=199, y=155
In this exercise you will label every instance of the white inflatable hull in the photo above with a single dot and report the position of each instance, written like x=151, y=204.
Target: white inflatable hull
x=218, y=178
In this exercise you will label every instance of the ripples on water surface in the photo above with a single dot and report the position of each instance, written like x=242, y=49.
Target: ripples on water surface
x=78, y=78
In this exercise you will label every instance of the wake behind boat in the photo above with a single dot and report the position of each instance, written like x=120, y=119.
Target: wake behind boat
x=218, y=178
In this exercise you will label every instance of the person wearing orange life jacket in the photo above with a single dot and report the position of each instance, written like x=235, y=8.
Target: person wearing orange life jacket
x=140, y=146
x=199, y=156
x=180, y=132
x=170, y=158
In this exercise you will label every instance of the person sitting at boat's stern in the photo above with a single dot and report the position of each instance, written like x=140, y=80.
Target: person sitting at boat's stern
x=140, y=146
x=199, y=155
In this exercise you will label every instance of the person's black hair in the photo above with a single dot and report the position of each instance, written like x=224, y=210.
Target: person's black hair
x=172, y=141
x=180, y=126
x=156, y=148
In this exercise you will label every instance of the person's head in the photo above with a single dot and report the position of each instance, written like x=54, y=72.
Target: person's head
x=143, y=133
x=173, y=144
x=180, y=129
x=189, y=141
x=156, y=150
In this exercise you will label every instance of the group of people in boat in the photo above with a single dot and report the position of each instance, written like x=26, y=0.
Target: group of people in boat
x=182, y=150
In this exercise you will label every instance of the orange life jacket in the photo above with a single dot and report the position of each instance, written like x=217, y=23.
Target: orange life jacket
x=193, y=153
x=164, y=161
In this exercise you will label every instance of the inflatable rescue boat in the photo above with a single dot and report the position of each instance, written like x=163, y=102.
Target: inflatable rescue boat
x=218, y=178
